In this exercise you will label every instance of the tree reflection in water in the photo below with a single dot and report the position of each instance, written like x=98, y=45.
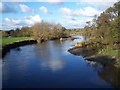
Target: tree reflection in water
x=107, y=72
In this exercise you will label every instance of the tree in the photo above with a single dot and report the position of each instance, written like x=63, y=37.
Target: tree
x=25, y=31
x=4, y=34
x=106, y=27
x=45, y=31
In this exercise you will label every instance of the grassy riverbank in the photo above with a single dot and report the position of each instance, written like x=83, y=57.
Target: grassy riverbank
x=109, y=51
x=102, y=37
x=105, y=56
x=7, y=41
x=114, y=54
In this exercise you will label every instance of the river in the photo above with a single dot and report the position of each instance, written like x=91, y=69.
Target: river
x=50, y=65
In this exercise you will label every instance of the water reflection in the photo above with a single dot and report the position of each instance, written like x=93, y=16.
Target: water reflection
x=79, y=38
x=17, y=49
x=108, y=73
x=50, y=65
x=111, y=75
x=54, y=65
x=51, y=57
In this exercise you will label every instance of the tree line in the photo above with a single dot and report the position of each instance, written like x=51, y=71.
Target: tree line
x=103, y=30
x=39, y=31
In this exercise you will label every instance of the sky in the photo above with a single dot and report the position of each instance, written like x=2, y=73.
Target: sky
x=69, y=13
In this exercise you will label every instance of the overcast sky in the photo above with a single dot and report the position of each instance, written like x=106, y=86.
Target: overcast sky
x=69, y=13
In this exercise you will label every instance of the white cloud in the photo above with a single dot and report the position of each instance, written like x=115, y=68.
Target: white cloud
x=12, y=21
x=87, y=11
x=50, y=1
x=54, y=1
x=72, y=16
x=60, y=0
x=102, y=4
x=74, y=24
x=1, y=5
x=25, y=8
x=79, y=22
x=43, y=9
x=66, y=10
x=32, y=19
x=98, y=0
x=69, y=17
x=20, y=0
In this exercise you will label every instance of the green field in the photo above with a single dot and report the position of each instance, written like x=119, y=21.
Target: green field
x=6, y=41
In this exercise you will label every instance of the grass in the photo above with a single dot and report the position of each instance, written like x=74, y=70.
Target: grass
x=112, y=53
x=109, y=51
x=6, y=41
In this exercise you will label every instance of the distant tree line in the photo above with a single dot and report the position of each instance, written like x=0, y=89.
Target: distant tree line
x=23, y=32
x=39, y=31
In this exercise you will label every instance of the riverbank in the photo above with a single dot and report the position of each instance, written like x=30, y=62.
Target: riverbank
x=49, y=57
x=9, y=43
x=105, y=56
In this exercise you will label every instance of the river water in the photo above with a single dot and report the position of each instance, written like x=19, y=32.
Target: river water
x=50, y=65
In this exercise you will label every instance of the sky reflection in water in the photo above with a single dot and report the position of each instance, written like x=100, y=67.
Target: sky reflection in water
x=50, y=65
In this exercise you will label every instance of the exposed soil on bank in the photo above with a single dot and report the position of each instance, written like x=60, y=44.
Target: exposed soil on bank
x=92, y=55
